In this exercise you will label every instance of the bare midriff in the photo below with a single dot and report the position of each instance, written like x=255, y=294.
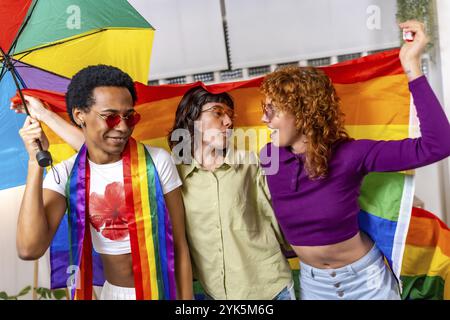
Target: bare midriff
x=118, y=270
x=336, y=255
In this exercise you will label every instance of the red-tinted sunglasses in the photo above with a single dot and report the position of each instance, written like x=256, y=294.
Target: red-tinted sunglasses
x=268, y=110
x=220, y=111
x=112, y=120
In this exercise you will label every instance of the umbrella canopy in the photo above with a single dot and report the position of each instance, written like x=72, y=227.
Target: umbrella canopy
x=48, y=42
x=63, y=36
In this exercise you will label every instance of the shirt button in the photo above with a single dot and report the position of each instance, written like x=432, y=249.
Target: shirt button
x=340, y=294
x=337, y=285
x=333, y=274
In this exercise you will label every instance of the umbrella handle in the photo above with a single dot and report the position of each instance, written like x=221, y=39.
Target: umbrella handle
x=43, y=157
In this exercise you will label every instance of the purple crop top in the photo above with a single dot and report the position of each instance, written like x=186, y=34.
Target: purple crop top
x=325, y=211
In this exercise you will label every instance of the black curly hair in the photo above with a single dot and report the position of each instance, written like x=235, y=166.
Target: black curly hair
x=80, y=91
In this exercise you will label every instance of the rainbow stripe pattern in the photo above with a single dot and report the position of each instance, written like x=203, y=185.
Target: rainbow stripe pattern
x=148, y=222
x=426, y=262
x=63, y=36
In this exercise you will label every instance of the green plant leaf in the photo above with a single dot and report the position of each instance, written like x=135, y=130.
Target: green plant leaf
x=48, y=293
x=24, y=291
x=3, y=295
x=44, y=293
x=59, y=294
x=421, y=10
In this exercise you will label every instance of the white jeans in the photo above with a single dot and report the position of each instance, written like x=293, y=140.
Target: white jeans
x=366, y=279
x=112, y=292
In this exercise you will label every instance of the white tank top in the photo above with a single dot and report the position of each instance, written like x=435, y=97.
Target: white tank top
x=107, y=214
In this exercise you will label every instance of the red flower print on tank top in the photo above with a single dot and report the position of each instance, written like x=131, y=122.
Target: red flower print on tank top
x=107, y=213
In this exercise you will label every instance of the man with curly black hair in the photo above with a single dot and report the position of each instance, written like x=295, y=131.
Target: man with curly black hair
x=116, y=191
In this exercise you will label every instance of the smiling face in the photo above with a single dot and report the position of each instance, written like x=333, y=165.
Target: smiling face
x=214, y=120
x=281, y=124
x=105, y=145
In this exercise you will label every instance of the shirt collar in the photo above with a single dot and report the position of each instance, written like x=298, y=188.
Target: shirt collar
x=185, y=169
x=188, y=168
x=231, y=159
x=285, y=153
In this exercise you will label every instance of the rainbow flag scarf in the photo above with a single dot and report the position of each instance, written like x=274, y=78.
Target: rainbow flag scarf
x=148, y=223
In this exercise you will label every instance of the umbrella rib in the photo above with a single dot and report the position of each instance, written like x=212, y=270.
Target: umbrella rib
x=19, y=77
x=27, y=65
x=5, y=67
x=23, y=56
x=13, y=45
x=2, y=74
x=27, y=52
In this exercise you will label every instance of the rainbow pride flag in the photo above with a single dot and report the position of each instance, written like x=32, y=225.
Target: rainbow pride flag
x=377, y=104
x=426, y=262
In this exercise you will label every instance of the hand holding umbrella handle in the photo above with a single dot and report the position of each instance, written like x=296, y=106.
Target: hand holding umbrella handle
x=43, y=157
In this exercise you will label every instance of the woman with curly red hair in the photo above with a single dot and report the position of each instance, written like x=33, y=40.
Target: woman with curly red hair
x=315, y=191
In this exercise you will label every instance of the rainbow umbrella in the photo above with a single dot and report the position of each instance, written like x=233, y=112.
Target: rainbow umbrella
x=48, y=41
x=63, y=36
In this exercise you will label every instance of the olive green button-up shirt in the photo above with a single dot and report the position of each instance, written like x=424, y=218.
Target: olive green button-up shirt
x=233, y=236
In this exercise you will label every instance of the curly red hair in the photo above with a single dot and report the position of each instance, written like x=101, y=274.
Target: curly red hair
x=309, y=95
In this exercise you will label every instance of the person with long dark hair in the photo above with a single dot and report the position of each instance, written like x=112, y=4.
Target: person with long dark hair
x=234, y=240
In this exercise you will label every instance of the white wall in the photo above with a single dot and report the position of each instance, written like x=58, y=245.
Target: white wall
x=16, y=274
x=265, y=32
x=189, y=36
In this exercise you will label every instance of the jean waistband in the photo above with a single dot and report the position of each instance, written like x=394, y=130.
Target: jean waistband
x=371, y=257
x=123, y=290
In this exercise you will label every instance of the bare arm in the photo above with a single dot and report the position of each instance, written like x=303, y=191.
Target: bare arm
x=68, y=132
x=41, y=210
x=183, y=268
x=411, y=52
